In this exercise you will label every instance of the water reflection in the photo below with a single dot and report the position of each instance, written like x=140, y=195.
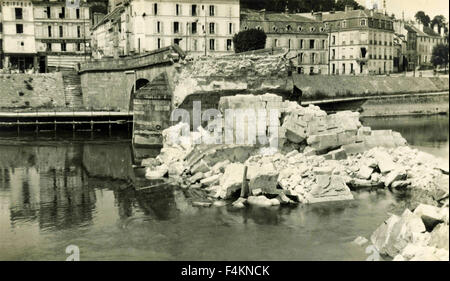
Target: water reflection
x=57, y=193
x=428, y=133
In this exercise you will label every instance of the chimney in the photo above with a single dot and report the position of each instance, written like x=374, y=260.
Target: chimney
x=348, y=8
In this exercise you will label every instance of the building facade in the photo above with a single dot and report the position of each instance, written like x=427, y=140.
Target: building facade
x=361, y=42
x=1, y=39
x=199, y=27
x=19, y=46
x=306, y=38
x=62, y=32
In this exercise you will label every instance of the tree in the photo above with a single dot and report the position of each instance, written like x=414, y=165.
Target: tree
x=423, y=18
x=439, y=56
x=440, y=21
x=249, y=40
x=340, y=5
x=299, y=6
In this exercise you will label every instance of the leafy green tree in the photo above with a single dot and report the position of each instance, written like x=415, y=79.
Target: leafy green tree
x=299, y=6
x=249, y=40
x=423, y=18
x=440, y=21
x=439, y=56
x=340, y=5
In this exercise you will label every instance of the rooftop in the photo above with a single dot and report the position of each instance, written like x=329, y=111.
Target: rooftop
x=252, y=15
x=342, y=15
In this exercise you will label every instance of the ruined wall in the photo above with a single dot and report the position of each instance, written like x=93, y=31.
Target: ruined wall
x=325, y=87
x=31, y=91
x=229, y=75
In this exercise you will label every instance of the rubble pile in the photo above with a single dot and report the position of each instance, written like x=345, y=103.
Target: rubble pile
x=422, y=235
x=325, y=166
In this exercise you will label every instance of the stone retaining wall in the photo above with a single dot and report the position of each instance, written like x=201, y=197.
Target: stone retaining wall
x=31, y=91
x=325, y=87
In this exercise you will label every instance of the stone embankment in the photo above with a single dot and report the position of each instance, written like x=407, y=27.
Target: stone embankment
x=31, y=91
x=318, y=158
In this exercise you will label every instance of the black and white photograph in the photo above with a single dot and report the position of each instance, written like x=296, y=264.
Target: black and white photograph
x=224, y=134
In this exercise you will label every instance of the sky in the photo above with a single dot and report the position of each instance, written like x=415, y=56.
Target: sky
x=410, y=7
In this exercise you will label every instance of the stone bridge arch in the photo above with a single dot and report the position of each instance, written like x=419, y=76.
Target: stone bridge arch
x=110, y=84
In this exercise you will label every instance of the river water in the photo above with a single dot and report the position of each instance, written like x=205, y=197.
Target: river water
x=74, y=191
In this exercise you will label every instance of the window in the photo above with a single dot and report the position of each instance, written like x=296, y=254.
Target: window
x=78, y=31
x=344, y=24
x=323, y=44
x=63, y=13
x=194, y=28
x=61, y=33
x=301, y=44
x=300, y=28
x=230, y=28
x=212, y=11
x=313, y=58
x=212, y=44
x=49, y=31
x=212, y=28
x=19, y=13
x=363, y=22
x=333, y=54
x=334, y=39
x=311, y=44
x=229, y=44
x=155, y=8
x=289, y=43
x=158, y=27
x=19, y=28
x=63, y=47
x=176, y=27
x=177, y=9
x=194, y=10
x=177, y=41
x=275, y=42
x=78, y=13
x=288, y=27
x=78, y=47
x=313, y=29
x=49, y=47
x=49, y=14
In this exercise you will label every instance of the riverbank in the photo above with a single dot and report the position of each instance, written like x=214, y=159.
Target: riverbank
x=328, y=87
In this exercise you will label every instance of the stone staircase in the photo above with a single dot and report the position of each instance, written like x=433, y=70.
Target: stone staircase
x=72, y=89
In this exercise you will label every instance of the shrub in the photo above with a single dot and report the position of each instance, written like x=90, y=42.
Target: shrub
x=249, y=40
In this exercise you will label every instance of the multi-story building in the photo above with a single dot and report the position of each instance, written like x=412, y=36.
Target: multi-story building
x=361, y=42
x=306, y=37
x=42, y=34
x=421, y=41
x=19, y=46
x=1, y=40
x=63, y=31
x=199, y=27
